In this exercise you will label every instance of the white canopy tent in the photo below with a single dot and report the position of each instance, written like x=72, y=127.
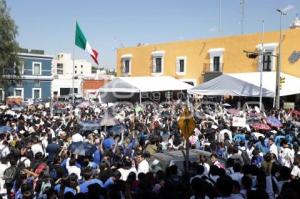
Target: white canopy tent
x=144, y=84
x=248, y=85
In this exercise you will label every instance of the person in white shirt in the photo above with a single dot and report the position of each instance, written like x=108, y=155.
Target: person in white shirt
x=77, y=138
x=4, y=149
x=250, y=150
x=44, y=140
x=37, y=147
x=3, y=166
x=72, y=168
x=286, y=155
x=143, y=165
x=203, y=162
x=273, y=147
x=295, y=174
x=127, y=168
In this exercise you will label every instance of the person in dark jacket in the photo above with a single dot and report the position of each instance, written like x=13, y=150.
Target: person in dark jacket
x=52, y=149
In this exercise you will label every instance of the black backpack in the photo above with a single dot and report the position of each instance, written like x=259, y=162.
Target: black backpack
x=21, y=164
x=10, y=175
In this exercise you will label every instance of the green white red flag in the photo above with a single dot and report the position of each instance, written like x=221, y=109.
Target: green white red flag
x=81, y=42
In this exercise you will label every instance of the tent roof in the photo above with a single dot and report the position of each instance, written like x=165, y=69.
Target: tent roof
x=144, y=84
x=248, y=84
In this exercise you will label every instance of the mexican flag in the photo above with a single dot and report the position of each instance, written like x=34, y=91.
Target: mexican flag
x=82, y=43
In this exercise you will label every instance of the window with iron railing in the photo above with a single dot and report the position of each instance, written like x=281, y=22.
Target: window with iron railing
x=211, y=67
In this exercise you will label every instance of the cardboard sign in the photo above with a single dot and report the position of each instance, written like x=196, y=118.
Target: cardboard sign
x=289, y=105
x=238, y=121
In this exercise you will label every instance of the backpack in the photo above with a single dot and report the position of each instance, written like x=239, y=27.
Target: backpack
x=21, y=164
x=245, y=157
x=10, y=174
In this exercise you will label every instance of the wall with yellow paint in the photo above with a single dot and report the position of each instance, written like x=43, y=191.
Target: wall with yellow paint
x=196, y=51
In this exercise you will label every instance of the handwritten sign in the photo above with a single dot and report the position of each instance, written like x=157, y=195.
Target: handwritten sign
x=288, y=105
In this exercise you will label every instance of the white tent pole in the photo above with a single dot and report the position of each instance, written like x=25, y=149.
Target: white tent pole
x=140, y=97
x=188, y=99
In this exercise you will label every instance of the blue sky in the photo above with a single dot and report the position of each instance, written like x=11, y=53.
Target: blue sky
x=110, y=24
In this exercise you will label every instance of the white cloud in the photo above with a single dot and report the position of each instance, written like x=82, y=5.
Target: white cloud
x=288, y=8
x=212, y=29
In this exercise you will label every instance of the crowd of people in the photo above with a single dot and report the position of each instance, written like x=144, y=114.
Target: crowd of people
x=37, y=160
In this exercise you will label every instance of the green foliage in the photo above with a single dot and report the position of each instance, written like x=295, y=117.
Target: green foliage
x=8, y=47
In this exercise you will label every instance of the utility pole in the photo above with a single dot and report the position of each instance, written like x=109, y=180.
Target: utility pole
x=278, y=68
x=261, y=64
x=220, y=15
x=242, y=3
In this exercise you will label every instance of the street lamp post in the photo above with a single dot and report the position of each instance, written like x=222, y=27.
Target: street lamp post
x=278, y=68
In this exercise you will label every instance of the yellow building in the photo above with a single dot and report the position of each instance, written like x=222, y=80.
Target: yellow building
x=196, y=61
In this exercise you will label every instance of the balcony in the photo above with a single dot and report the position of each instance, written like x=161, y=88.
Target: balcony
x=208, y=72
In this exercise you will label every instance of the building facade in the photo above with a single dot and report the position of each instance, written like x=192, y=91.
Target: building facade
x=35, y=76
x=63, y=82
x=90, y=87
x=197, y=61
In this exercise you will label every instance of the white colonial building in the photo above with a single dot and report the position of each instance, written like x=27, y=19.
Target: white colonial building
x=62, y=71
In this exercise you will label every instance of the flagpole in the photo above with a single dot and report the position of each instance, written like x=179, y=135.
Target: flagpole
x=73, y=89
x=261, y=65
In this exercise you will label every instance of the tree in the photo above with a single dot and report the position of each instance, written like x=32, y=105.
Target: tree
x=8, y=47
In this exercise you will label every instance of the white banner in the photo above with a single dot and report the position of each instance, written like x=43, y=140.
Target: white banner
x=239, y=121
